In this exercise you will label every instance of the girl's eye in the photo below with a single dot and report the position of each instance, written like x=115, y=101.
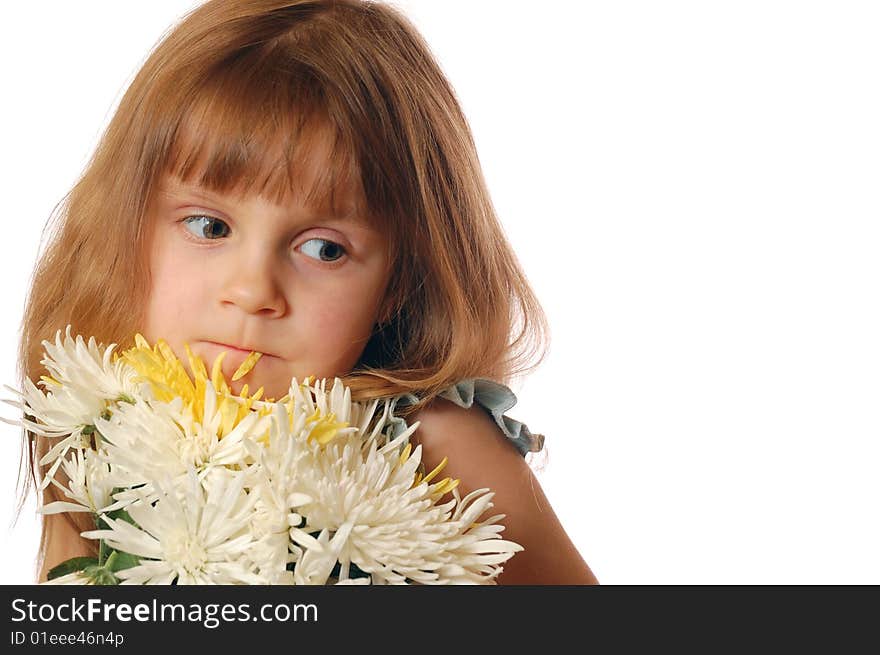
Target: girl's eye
x=206, y=227
x=323, y=249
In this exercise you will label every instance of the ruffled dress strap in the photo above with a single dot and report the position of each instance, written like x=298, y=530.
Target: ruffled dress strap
x=493, y=397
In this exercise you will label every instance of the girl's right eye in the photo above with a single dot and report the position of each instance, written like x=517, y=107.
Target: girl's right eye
x=206, y=227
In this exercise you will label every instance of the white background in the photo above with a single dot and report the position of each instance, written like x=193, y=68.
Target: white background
x=692, y=189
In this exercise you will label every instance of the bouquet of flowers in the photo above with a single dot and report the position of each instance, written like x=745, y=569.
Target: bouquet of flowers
x=189, y=483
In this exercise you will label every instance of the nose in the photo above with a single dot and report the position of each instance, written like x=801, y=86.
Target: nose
x=252, y=284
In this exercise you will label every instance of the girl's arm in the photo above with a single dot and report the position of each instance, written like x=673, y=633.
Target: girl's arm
x=480, y=455
x=62, y=543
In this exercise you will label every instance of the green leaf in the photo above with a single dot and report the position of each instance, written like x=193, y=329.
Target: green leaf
x=104, y=551
x=102, y=573
x=72, y=565
x=99, y=575
x=120, y=560
x=118, y=514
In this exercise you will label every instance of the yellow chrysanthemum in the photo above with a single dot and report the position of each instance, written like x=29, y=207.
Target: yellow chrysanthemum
x=246, y=366
x=161, y=368
x=324, y=428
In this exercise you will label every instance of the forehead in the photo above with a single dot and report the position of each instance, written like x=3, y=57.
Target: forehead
x=172, y=189
x=314, y=172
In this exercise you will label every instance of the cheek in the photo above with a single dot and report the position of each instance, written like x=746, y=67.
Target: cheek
x=348, y=310
x=339, y=325
x=338, y=322
x=174, y=287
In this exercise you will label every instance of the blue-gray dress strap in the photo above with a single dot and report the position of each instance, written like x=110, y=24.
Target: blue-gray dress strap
x=494, y=397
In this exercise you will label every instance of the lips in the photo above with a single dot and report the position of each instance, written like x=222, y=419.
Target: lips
x=209, y=351
x=237, y=349
x=227, y=346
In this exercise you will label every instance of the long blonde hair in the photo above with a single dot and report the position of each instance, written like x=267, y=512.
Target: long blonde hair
x=228, y=97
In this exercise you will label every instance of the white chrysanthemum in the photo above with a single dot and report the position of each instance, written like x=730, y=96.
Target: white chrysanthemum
x=206, y=444
x=273, y=479
x=215, y=502
x=84, y=384
x=189, y=535
x=270, y=552
x=365, y=511
x=338, y=402
x=324, y=417
x=62, y=415
x=141, y=443
x=89, y=484
x=309, y=401
x=148, y=440
x=84, y=381
x=85, y=368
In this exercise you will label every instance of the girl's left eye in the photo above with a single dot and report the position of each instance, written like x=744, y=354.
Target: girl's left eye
x=206, y=227
x=321, y=248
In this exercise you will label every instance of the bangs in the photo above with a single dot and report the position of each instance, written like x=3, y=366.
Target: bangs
x=255, y=126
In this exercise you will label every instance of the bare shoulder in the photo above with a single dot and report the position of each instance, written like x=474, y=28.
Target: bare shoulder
x=480, y=456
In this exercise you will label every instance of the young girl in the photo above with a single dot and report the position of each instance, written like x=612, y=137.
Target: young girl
x=297, y=178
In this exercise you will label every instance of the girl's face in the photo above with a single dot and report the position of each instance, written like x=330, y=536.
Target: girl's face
x=233, y=273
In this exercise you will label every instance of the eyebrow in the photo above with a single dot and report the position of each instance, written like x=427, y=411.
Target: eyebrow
x=348, y=214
